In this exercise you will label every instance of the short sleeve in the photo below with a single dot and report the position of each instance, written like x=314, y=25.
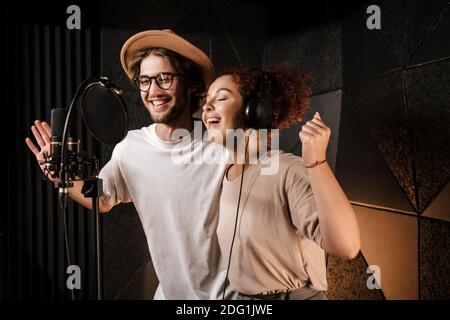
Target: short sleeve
x=302, y=204
x=115, y=189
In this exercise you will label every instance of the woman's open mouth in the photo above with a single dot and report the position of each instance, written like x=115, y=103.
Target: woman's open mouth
x=213, y=122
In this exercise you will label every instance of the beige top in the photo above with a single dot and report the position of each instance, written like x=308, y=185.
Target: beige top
x=277, y=244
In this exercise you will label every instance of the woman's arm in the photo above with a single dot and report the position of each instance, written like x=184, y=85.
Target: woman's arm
x=338, y=222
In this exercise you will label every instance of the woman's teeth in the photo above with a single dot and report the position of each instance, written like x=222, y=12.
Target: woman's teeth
x=213, y=122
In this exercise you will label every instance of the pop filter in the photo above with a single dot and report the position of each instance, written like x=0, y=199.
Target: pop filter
x=104, y=112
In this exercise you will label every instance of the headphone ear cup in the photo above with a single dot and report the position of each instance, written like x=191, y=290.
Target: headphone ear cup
x=258, y=111
x=249, y=114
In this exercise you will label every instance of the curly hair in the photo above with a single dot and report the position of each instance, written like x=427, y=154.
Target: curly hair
x=289, y=89
x=187, y=69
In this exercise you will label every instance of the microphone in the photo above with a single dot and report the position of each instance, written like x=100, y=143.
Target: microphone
x=58, y=119
x=105, y=116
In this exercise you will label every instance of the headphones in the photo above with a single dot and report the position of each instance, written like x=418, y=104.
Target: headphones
x=258, y=108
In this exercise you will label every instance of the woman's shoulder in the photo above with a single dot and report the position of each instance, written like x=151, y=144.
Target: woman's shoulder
x=285, y=161
x=285, y=158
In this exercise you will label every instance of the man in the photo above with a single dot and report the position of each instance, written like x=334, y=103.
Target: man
x=179, y=221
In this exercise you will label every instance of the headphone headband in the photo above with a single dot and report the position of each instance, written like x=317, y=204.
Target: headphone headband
x=259, y=106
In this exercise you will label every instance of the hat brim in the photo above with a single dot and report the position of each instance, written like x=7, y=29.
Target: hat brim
x=168, y=40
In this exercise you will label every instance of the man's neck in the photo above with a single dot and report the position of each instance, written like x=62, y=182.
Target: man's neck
x=164, y=130
x=184, y=121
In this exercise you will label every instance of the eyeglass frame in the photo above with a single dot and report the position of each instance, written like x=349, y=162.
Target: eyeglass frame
x=154, y=78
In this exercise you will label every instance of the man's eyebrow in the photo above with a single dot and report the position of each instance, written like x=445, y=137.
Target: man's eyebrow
x=156, y=74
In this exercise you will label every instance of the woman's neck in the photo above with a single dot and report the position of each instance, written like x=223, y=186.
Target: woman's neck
x=246, y=150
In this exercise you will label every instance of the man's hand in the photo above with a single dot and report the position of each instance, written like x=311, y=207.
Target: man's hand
x=314, y=137
x=42, y=134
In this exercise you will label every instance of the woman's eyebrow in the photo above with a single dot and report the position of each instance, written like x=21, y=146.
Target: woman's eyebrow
x=221, y=89
x=226, y=89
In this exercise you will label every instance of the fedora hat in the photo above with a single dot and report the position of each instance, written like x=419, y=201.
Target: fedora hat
x=169, y=40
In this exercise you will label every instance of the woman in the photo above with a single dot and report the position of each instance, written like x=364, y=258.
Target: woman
x=274, y=228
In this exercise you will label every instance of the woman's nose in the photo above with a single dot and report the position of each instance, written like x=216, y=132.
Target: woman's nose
x=207, y=106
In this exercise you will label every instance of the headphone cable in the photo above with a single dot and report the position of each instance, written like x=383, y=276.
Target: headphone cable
x=235, y=222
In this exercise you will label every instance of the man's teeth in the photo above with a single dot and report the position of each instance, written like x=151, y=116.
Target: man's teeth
x=213, y=120
x=159, y=102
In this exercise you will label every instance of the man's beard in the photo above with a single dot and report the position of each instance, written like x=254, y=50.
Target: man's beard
x=173, y=114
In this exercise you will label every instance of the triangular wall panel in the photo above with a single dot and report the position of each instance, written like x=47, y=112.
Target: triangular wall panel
x=389, y=241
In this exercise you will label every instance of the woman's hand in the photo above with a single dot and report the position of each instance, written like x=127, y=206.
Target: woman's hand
x=314, y=136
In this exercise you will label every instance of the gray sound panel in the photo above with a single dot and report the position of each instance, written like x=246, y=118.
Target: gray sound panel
x=433, y=48
x=125, y=248
x=365, y=54
x=428, y=98
x=440, y=207
x=329, y=106
x=434, y=257
x=143, y=285
x=347, y=280
x=316, y=51
x=406, y=24
x=361, y=169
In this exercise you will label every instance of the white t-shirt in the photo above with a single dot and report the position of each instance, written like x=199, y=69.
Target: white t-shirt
x=178, y=206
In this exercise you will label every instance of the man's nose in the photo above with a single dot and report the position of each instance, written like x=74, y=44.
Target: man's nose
x=153, y=88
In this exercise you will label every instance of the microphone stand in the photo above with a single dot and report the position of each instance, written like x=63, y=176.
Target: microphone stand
x=92, y=186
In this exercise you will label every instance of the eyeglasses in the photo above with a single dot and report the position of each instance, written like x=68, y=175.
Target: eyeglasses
x=163, y=80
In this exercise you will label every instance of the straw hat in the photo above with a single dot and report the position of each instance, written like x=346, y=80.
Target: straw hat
x=169, y=40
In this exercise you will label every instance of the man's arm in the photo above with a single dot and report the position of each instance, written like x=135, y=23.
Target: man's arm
x=76, y=195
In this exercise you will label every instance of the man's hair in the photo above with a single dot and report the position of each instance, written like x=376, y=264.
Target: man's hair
x=188, y=70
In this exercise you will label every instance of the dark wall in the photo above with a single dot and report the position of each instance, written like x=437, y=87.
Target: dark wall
x=384, y=93
x=396, y=92
x=45, y=63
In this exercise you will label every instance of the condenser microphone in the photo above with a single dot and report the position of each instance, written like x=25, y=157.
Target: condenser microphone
x=58, y=119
